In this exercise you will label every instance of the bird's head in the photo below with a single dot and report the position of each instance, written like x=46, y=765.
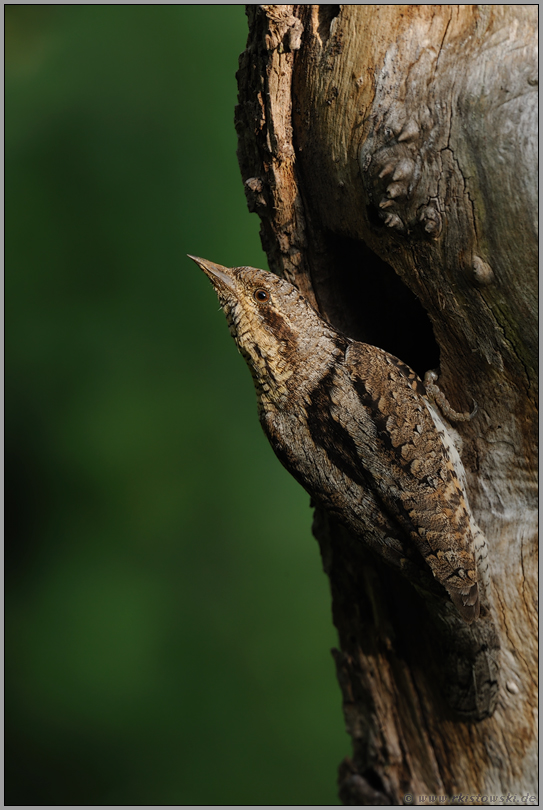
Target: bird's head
x=276, y=329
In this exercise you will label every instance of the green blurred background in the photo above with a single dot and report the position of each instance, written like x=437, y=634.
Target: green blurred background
x=168, y=625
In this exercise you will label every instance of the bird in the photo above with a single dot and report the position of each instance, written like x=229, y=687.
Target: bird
x=357, y=429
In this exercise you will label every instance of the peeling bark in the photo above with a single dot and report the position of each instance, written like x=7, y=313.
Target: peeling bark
x=390, y=152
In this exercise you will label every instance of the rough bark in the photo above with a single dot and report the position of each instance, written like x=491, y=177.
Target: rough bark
x=390, y=151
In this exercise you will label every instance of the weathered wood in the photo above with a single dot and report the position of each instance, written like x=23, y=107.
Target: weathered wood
x=390, y=151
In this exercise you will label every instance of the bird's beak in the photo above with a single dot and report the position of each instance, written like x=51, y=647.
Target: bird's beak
x=215, y=272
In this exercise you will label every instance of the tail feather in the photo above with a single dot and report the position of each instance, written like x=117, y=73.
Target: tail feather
x=467, y=604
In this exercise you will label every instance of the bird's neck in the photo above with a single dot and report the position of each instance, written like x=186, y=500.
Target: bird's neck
x=287, y=384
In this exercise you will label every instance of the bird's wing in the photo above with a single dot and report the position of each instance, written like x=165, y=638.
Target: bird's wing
x=413, y=467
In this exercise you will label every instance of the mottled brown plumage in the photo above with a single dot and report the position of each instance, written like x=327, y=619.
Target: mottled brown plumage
x=354, y=426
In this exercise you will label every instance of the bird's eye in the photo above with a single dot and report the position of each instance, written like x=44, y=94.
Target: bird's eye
x=261, y=296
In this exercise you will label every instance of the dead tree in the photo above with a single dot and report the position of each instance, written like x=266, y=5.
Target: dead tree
x=390, y=152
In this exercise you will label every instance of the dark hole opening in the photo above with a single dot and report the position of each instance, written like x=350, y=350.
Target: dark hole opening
x=374, y=780
x=326, y=15
x=365, y=299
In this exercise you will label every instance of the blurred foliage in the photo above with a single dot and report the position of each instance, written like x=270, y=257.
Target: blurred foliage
x=167, y=620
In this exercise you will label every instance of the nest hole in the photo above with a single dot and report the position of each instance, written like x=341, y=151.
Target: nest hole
x=326, y=14
x=364, y=298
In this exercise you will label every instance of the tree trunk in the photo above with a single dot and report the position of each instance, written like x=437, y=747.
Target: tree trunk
x=390, y=151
